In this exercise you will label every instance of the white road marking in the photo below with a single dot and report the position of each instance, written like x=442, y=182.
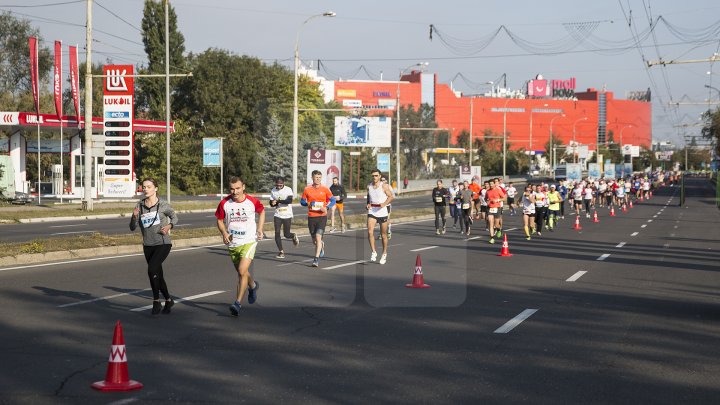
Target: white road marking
x=179, y=225
x=643, y=225
x=667, y=245
x=675, y=227
x=654, y=216
x=190, y=298
x=65, y=226
x=603, y=257
x=71, y=233
x=621, y=244
x=295, y=262
x=473, y=238
x=635, y=234
x=576, y=276
x=511, y=324
x=344, y=265
x=511, y=229
x=425, y=248
x=650, y=220
x=102, y=298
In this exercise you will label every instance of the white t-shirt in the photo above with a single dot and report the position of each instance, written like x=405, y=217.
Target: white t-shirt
x=528, y=206
x=239, y=218
x=577, y=193
x=511, y=192
x=282, y=210
x=587, y=193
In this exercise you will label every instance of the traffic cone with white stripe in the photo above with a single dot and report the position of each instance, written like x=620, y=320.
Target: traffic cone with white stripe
x=577, y=226
x=630, y=203
x=595, y=218
x=612, y=211
x=624, y=208
x=116, y=377
x=505, y=251
x=418, y=280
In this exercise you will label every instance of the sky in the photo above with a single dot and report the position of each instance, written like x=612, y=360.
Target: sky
x=548, y=38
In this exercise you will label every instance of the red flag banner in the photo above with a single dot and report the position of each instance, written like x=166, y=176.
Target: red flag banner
x=74, y=77
x=34, y=72
x=57, y=79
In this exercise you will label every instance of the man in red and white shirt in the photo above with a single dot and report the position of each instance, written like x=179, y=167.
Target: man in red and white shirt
x=240, y=218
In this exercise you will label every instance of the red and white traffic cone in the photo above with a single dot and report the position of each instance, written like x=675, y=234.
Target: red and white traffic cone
x=116, y=377
x=630, y=203
x=612, y=211
x=577, y=226
x=595, y=218
x=418, y=281
x=624, y=208
x=505, y=251
x=650, y=194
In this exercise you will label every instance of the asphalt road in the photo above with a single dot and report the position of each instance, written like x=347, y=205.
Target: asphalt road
x=112, y=226
x=625, y=311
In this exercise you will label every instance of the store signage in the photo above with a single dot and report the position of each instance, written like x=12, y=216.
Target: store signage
x=381, y=94
x=563, y=88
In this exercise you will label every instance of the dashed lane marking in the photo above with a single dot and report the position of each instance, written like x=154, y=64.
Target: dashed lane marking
x=66, y=226
x=425, y=248
x=621, y=244
x=643, y=226
x=576, y=276
x=190, y=298
x=344, y=265
x=635, y=234
x=72, y=233
x=511, y=324
x=650, y=220
x=603, y=257
x=109, y=297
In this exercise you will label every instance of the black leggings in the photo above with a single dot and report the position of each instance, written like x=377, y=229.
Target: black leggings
x=562, y=208
x=439, y=215
x=465, y=219
x=285, y=224
x=155, y=256
x=540, y=213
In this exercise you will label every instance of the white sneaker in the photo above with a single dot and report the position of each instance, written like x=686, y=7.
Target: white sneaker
x=373, y=256
x=383, y=259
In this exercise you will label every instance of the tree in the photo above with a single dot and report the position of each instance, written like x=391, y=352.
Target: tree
x=277, y=148
x=15, y=57
x=150, y=99
x=711, y=128
x=415, y=143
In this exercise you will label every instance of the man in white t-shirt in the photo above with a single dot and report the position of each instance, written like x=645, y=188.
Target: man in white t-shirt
x=281, y=198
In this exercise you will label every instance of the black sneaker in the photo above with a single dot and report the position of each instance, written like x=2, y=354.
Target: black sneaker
x=157, y=307
x=280, y=255
x=252, y=293
x=168, y=304
x=316, y=262
x=235, y=308
x=296, y=241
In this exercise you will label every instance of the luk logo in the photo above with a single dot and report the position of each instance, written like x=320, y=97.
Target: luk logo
x=115, y=80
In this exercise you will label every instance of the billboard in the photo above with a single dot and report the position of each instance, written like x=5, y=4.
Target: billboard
x=373, y=132
x=609, y=169
x=621, y=171
x=118, y=100
x=46, y=146
x=574, y=171
x=583, y=152
x=383, y=162
x=664, y=156
x=211, y=152
x=635, y=151
x=594, y=170
x=329, y=162
x=465, y=173
x=538, y=88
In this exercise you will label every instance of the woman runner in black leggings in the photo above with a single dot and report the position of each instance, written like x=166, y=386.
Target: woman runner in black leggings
x=155, y=219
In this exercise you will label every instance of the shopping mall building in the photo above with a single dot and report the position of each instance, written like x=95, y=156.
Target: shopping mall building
x=529, y=115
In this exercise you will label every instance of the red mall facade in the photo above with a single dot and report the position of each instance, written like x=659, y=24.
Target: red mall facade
x=589, y=116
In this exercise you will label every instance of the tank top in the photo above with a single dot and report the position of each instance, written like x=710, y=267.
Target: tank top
x=377, y=196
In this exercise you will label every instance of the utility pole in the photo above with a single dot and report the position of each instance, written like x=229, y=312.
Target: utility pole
x=87, y=204
x=167, y=101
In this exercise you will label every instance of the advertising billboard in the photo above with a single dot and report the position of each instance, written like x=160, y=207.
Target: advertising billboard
x=609, y=169
x=211, y=152
x=329, y=162
x=373, y=132
x=594, y=170
x=574, y=171
x=118, y=100
x=383, y=162
x=538, y=88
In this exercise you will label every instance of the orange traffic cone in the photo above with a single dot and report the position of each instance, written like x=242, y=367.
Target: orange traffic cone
x=418, y=281
x=612, y=211
x=505, y=251
x=577, y=226
x=630, y=203
x=595, y=218
x=116, y=378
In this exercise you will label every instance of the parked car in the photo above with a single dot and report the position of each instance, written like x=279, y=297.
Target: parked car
x=21, y=198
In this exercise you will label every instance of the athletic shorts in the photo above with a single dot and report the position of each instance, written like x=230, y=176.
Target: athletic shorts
x=389, y=207
x=246, y=251
x=316, y=225
x=511, y=200
x=484, y=208
x=497, y=214
x=578, y=202
x=380, y=220
x=339, y=206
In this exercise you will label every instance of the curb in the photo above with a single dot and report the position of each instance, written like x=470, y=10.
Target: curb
x=34, y=258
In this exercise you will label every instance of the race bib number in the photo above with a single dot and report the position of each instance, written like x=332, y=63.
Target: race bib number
x=317, y=206
x=493, y=210
x=150, y=219
x=236, y=232
x=283, y=210
x=438, y=199
x=466, y=206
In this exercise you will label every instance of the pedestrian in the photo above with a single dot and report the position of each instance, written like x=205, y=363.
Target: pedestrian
x=379, y=197
x=540, y=208
x=511, y=194
x=281, y=198
x=318, y=199
x=405, y=183
x=240, y=218
x=555, y=201
x=156, y=218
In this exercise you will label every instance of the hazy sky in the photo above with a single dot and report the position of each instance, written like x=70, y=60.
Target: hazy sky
x=386, y=36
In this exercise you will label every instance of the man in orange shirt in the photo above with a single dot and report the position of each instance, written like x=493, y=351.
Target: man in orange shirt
x=495, y=197
x=475, y=188
x=318, y=199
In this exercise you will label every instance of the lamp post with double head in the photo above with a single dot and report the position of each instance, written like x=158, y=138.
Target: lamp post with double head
x=552, y=153
x=295, y=97
x=574, y=141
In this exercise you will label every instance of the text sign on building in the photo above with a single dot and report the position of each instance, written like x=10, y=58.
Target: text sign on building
x=118, y=93
x=211, y=152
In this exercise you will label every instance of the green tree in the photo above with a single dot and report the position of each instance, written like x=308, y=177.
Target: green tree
x=150, y=92
x=15, y=59
x=413, y=144
x=711, y=128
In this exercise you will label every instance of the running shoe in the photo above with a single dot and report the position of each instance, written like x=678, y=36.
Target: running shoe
x=443, y=231
x=342, y=228
x=322, y=249
x=280, y=255
x=389, y=236
x=373, y=256
x=235, y=308
x=498, y=233
x=551, y=229
x=168, y=304
x=539, y=233
x=437, y=231
x=383, y=259
x=534, y=231
x=333, y=229
x=492, y=240
x=527, y=238
x=316, y=262
x=156, y=307
x=296, y=240
x=252, y=293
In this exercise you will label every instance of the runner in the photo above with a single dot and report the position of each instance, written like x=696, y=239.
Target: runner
x=281, y=198
x=555, y=201
x=499, y=219
x=340, y=195
x=588, y=197
x=602, y=193
x=240, y=218
x=494, y=197
x=610, y=193
x=156, y=218
x=389, y=209
x=379, y=197
x=465, y=200
x=528, y=204
x=578, y=193
x=454, y=209
x=474, y=186
x=620, y=194
x=563, y=190
x=540, y=209
x=511, y=193
x=646, y=188
x=439, y=197
x=483, y=204
x=318, y=199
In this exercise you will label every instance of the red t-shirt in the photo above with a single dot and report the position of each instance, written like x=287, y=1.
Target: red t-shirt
x=494, y=197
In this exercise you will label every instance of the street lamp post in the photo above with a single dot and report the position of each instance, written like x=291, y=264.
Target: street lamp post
x=505, y=138
x=530, y=146
x=574, y=141
x=397, y=124
x=295, y=97
x=552, y=150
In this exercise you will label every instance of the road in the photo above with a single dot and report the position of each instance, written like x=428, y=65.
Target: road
x=112, y=226
x=625, y=311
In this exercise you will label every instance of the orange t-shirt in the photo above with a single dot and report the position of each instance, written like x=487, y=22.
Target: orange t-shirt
x=475, y=188
x=317, y=198
x=494, y=197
